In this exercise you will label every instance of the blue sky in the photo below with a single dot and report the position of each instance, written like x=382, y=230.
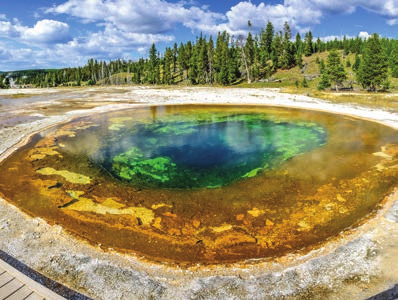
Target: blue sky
x=61, y=33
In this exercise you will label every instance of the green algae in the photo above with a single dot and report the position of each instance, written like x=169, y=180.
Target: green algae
x=128, y=165
x=252, y=173
x=171, y=152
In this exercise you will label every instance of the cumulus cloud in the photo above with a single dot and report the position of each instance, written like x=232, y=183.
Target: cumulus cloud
x=7, y=29
x=48, y=32
x=301, y=13
x=133, y=25
x=113, y=42
x=151, y=16
x=295, y=12
x=364, y=34
x=44, y=31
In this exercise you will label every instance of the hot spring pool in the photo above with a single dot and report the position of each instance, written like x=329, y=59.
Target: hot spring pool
x=205, y=184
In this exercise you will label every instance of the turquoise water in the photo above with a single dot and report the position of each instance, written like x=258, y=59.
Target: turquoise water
x=195, y=151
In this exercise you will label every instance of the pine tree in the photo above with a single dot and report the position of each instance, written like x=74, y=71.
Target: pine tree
x=325, y=82
x=219, y=57
x=357, y=63
x=304, y=83
x=348, y=63
x=153, y=64
x=300, y=60
x=308, y=48
x=202, y=61
x=287, y=59
x=299, y=43
x=393, y=61
x=277, y=50
x=193, y=67
x=318, y=45
x=335, y=68
x=168, y=61
x=233, y=65
x=181, y=59
x=175, y=52
x=346, y=46
x=210, y=55
x=223, y=65
x=373, y=72
x=268, y=38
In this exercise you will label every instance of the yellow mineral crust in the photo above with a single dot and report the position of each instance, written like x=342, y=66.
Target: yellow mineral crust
x=69, y=176
x=40, y=153
x=156, y=206
x=222, y=228
x=255, y=212
x=109, y=206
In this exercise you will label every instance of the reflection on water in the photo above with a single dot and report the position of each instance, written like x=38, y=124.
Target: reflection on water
x=205, y=184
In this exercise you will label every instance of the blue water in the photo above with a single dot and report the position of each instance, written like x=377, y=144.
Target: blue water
x=195, y=153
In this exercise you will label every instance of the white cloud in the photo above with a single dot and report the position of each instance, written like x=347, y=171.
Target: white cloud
x=364, y=34
x=47, y=31
x=151, y=16
x=125, y=26
x=8, y=29
x=87, y=9
x=295, y=12
x=130, y=25
x=43, y=32
x=301, y=13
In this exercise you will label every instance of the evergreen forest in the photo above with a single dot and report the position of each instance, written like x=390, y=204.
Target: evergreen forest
x=229, y=60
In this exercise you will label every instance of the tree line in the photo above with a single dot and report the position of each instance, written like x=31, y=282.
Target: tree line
x=228, y=59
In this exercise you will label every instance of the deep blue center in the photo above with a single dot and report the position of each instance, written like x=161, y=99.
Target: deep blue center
x=210, y=153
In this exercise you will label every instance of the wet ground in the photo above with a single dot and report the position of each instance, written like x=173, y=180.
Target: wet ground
x=358, y=262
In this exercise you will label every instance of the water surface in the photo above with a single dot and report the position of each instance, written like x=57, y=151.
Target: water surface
x=205, y=184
